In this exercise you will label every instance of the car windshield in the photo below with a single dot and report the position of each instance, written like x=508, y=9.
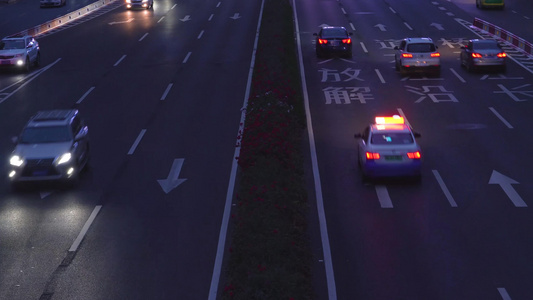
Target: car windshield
x=391, y=138
x=48, y=134
x=421, y=47
x=11, y=44
x=334, y=32
x=485, y=46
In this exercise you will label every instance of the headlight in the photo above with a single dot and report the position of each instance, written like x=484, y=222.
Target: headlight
x=64, y=158
x=16, y=160
x=128, y=1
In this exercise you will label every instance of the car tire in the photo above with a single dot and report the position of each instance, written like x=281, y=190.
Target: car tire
x=37, y=62
x=27, y=66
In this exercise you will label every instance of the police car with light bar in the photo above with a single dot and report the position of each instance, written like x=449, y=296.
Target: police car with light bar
x=388, y=148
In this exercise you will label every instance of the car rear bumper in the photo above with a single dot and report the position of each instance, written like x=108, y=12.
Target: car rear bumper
x=372, y=169
x=488, y=62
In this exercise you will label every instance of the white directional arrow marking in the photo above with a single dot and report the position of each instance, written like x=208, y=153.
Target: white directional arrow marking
x=437, y=25
x=505, y=182
x=172, y=180
x=186, y=18
x=235, y=16
x=381, y=27
x=121, y=22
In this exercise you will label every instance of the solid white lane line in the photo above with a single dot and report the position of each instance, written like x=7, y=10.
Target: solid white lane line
x=84, y=229
x=85, y=95
x=118, y=61
x=142, y=38
x=380, y=76
x=137, y=141
x=400, y=111
x=217, y=268
x=444, y=188
x=504, y=294
x=501, y=118
x=200, y=35
x=457, y=75
x=326, y=248
x=187, y=57
x=166, y=91
x=383, y=196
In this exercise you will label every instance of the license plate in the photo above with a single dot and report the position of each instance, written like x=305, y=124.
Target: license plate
x=40, y=173
x=393, y=157
x=335, y=43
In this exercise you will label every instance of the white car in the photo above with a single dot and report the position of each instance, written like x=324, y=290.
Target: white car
x=139, y=4
x=47, y=3
x=19, y=52
x=417, y=54
x=388, y=148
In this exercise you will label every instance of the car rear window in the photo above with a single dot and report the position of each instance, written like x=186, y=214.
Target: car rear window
x=334, y=33
x=391, y=138
x=421, y=47
x=483, y=46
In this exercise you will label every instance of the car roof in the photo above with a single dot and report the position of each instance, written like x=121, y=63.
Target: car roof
x=16, y=37
x=478, y=41
x=52, y=117
x=419, y=40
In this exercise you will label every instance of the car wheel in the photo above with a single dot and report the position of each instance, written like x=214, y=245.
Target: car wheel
x=397, y=65
x=37, y=60
x=27, y=66
x=469, y=67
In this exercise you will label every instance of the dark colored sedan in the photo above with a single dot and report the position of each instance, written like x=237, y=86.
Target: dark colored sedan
x=333, y=40
x=483, y=53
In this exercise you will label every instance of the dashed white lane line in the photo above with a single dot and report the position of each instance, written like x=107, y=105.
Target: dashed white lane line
x=142, y=38
x=407, y=25
x=164, y=96
x=84, y=229
x=444, y=188
x=187, y=57
x=504, y=294
x=364, y=47
x=383, y=196
x=137, y=141
x=119, y=60
x=85, y=95
x=380, y=76
x=501, y=118
x=457, y=75
x=200, y=35
x=161, y=19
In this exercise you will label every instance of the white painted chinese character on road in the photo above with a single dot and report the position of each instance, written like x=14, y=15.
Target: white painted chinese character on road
x=500, y=76
x=515, y=92
x=437, y=93
x=351, y=74
x=346, y=95
x=387, y=44
x=453, y=43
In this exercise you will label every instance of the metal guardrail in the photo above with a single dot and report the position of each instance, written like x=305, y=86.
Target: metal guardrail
x=77, y=14
x=505, y=35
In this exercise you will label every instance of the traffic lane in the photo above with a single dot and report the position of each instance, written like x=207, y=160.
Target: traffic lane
x=25, y=14
x=198, y=125
x=35, y=229
x=512, y=18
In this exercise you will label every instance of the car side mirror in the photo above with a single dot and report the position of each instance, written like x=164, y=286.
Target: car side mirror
x=357, y=135
x=82, y=134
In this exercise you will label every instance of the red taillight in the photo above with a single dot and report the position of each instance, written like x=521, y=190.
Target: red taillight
x=407, y=55
x=502, y=55
x=414, y=155
x=347, y=41
x=370, y=155
x=322, y=41
x=477, y=55
x=436, y=54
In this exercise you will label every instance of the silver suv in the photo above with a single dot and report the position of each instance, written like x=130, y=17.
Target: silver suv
x=417, y=54
x=19, y=52
x=54, y=145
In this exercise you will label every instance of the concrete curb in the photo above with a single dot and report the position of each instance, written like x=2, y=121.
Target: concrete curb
x=42, y=28
x=519, y=43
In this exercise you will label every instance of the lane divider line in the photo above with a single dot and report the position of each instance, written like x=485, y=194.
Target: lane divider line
x=84, y=229
x=119, y=60
x=383, y=196
x=137, y=141
x=444, y=188
x=85, y=95
x=501, y=118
